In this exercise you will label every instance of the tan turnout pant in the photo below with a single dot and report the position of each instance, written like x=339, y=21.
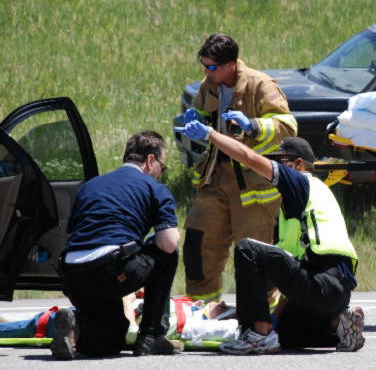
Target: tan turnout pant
x=216, y=220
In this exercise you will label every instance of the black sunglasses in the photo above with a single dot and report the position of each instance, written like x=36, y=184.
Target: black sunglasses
x=163, y=166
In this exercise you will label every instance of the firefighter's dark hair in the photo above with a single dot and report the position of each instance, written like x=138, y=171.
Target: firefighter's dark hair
x=219, y=47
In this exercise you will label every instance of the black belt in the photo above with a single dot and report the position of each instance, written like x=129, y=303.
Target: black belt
x=128, y=250
x=123, y=252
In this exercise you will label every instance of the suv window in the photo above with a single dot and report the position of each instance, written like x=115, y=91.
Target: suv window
x=350, y=68
x=50, y=140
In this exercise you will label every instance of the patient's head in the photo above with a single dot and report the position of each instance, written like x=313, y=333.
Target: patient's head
x=221, y=311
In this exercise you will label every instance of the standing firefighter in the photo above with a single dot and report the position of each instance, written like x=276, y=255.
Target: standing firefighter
x=232, y=202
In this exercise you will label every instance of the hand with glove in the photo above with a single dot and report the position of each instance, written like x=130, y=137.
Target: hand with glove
x=191, y=114
x=249, y=126
x=195, y=130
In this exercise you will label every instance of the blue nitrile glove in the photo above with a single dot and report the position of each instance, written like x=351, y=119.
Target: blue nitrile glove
x=195, y=130
x=246, y=124
x=191, y=114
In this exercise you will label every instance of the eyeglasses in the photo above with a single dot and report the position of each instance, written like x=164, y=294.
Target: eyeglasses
x=285, y=159
x=163, y=166
x=212, y=67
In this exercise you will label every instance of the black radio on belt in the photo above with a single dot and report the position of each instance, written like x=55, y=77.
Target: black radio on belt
x=128, y=250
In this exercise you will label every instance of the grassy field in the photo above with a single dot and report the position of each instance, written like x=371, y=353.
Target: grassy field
x=125, y=62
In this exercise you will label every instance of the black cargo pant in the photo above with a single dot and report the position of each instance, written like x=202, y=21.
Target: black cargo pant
x=95, y=290
x=321, y=294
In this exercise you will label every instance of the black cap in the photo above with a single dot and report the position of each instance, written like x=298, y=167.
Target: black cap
x=297, y=147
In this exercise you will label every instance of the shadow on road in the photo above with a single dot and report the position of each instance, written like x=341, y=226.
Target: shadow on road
x=78, y=357
x=295, y=352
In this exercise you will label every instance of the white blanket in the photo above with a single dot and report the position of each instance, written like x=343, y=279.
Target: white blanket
x=358, y=122
x=215, y=330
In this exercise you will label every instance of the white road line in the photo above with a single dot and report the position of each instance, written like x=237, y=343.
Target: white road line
x=30, y=308
x=363, y=300
x=368, y=308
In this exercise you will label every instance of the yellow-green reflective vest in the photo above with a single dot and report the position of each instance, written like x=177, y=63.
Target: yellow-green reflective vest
x=325, y=226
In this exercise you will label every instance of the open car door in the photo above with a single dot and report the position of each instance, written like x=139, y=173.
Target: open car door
x=45, y=155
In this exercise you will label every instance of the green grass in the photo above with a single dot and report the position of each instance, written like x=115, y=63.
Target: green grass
x=125, y=62
x=358, y=205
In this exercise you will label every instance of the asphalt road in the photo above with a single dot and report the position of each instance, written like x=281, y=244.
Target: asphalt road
x=323, y=359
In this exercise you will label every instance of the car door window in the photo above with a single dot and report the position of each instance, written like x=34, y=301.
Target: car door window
x=10, y=180
x=50, y=140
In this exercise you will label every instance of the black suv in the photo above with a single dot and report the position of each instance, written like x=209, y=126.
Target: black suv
x=316, y=95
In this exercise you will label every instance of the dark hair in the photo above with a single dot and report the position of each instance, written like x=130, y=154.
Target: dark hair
x=219, y=47
x=308, y=166
x=140, y=145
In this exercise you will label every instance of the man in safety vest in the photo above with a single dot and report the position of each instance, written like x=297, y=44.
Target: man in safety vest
x=314, y=270
x=230, y=195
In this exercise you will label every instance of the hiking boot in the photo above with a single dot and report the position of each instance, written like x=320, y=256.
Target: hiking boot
x=250, y=342
x=63, y=343
x=156, y=345
x=350, y=330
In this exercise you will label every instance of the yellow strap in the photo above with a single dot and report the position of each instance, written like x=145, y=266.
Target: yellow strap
x=340, y=139
x=343, y=140
x=335, y=176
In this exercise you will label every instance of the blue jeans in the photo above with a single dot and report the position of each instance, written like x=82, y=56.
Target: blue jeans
x=26, y=328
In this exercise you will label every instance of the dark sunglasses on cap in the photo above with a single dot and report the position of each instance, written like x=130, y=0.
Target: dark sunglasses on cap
x=285, y=159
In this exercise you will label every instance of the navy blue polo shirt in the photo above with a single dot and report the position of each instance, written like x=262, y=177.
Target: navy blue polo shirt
x=119, y=207
x=294, y=188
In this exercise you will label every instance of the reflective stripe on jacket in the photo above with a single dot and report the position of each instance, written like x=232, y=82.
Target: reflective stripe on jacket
x=267, y=131
x=259, y=196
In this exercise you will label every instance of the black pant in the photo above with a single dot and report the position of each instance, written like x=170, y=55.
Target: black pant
x=257, y=264
x=94, y=289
